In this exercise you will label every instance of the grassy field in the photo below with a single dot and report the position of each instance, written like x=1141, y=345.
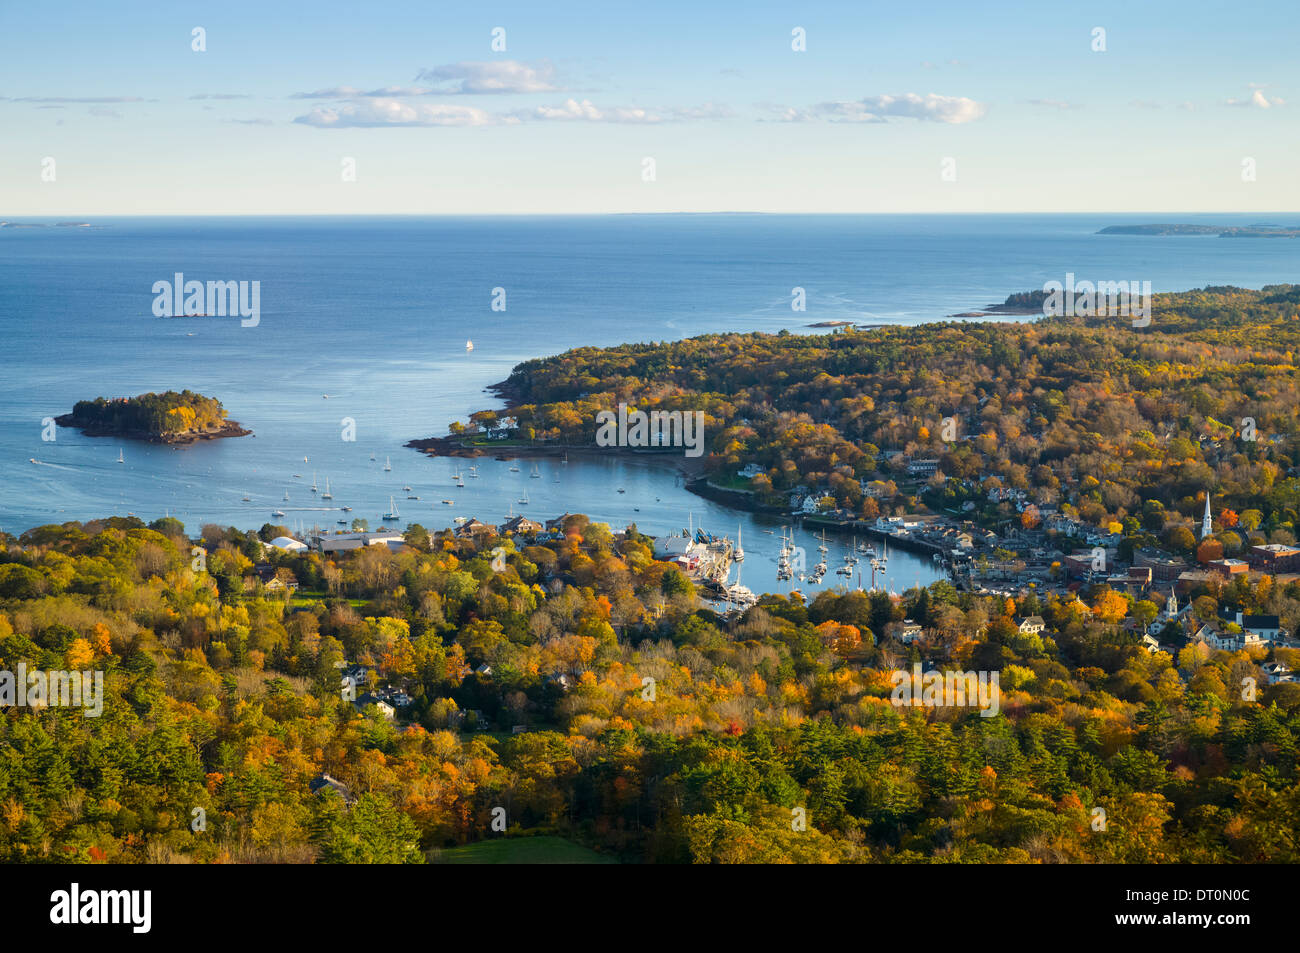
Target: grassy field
x=520, y=850
x=307, y=597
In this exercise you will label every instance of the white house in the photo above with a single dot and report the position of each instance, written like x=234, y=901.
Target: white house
x=1267, y=627
x=1226, y=641
x=909, y=632
x=1276, y=673
x=1031, y=624
x=385, y=709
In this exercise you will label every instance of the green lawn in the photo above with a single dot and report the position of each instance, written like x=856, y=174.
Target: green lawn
x=307, y=597
x=520, y=850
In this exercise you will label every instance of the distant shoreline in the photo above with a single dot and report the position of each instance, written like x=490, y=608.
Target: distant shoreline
x=1219, y=231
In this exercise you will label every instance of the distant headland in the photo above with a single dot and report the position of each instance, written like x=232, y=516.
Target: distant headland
x=1222, y=231
x=169, y=417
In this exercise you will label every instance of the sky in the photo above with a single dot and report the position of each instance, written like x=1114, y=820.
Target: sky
x=415, y=108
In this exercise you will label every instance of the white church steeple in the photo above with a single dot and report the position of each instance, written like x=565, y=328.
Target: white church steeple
x=1207, y=524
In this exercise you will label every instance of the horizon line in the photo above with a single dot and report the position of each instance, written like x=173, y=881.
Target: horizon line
x=507, y=214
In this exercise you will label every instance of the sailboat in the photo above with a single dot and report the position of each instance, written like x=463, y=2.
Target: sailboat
x=469, y=345
x=739, y=554
x=523, y=500
x=313, y=481
x=387, y=465
x=286, y=496
x=473, y=472
x=247, y=498
x=372, y=456
x=392, y=513
x=536, y=474
x=120, y=460
x=327, y=495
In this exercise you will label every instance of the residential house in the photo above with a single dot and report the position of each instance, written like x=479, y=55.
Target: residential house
x=909, y=631
x=385, y=709
x=1031, y=624
x=1276, y=673
x=520, y=526
x=474, y=528
x=557, y=525
x=323, y=783
x=276, y=580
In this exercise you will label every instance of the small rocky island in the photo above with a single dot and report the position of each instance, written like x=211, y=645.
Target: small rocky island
x=169, y=417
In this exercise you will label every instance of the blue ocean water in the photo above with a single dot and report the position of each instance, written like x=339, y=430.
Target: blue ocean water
x=375, y=313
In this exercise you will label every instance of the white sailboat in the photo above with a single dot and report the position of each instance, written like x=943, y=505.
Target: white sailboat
x=247, y=498
x=469, y=345
x=327, y=495
x=313, y=482
x=536, y=474
x=120, y=460
x=739, y=554
x=392, y=513
x=387, y=465
x=473, y=472
x=286, y=496
x=523, y=500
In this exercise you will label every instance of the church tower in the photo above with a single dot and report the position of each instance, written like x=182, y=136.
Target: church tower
x=1207, y=524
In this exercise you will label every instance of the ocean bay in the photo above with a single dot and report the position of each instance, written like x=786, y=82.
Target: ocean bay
x=374, y=313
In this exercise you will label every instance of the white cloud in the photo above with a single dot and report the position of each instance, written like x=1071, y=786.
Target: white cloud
x=1258, y=100
x=494, y=76
x=930, y=107
x=74, y=99
x=586, y=111
x=332, y=92
x=390, y=112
